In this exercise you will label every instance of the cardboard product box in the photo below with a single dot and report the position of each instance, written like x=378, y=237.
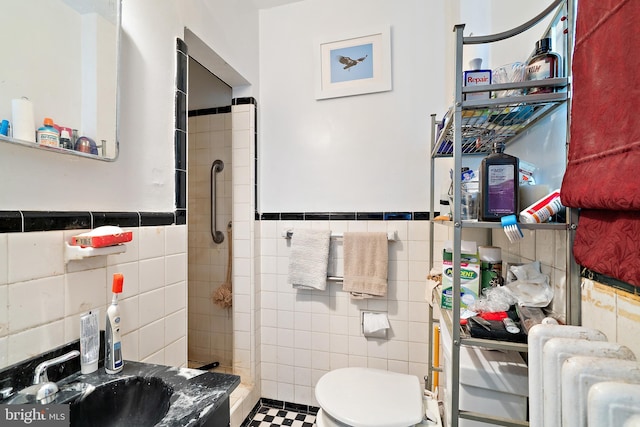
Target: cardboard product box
x=477, y=78
x=469, y=274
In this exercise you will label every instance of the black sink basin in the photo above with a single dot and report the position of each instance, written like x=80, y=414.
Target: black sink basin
x=131, y=401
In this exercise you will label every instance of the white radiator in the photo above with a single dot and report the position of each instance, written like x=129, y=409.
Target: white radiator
x=569, y=367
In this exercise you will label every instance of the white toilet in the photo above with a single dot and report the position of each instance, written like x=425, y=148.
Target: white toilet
x=365, y=397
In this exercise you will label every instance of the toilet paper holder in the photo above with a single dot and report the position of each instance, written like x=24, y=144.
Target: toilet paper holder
x=374, y=324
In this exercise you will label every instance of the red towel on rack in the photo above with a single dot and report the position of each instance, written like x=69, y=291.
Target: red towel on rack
x=604, y=152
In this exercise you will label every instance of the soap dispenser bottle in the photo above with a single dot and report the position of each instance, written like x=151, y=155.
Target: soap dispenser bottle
x=113, y=351
x=499, y=181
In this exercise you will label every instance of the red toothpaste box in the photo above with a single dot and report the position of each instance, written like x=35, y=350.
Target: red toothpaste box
x=102, y=237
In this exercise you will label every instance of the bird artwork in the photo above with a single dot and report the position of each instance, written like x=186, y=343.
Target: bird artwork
x=348, y=62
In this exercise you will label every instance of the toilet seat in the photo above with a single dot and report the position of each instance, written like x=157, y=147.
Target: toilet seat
x=366, y=397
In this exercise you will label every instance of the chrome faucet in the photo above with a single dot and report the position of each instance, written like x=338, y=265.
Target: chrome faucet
x=43, y=390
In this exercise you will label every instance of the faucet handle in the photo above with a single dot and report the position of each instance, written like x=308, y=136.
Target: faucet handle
x=40, y=374
x=6, y=393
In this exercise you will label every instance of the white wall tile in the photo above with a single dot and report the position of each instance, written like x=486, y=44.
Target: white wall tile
x=35, y=255
x=4, y=351
x=85, y=290
x=628, y=321
x=175, y=354
x=175, y=297
x=151, y=307
x=150, y=339
x=156, y=358
x=35, y=302
x=55, y=301
x=599, y=307
x=152, y=274
x=4, y=311
x=4, y=259
x=129, y=314
x=175, y=268
x=32, y=342
x=151, y=242
x=176, y=239
x=175, y=327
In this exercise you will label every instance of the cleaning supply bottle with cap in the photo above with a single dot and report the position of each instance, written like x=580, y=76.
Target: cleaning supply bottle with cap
x=499, y=181
x=113, y=352
x=544, y=64
x=47, y=134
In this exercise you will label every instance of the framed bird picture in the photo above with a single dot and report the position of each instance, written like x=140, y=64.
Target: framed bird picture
x=354, y=64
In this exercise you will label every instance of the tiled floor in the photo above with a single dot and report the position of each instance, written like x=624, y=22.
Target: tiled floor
x=268, y=412
x=272, y=413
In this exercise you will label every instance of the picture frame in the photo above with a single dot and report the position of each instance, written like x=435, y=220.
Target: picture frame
x=354, y=64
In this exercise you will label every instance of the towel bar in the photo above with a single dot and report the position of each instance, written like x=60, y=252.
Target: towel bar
x=391, y=235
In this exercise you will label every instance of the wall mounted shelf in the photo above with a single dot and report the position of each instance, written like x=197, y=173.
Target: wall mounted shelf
x=72, y=253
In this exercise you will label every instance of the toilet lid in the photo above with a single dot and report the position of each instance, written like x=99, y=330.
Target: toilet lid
x=365, y=397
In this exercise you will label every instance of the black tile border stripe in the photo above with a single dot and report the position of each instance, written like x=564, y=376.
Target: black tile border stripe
x=208, y=111
x=46, y=220
x=610, y=281
x=344, y=216
x=29, y=221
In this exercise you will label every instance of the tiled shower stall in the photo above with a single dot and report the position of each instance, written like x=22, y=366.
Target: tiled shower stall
x=210, y=326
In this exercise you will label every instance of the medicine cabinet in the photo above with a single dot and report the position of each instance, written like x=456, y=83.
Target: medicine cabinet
x=62, y=55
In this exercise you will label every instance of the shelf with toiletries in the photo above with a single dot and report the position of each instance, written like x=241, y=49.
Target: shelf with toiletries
x=481, y=122
x=446, y=317
x=485, y=122
x=498, y=225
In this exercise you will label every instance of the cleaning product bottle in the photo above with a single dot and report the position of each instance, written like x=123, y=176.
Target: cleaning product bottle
x=499, y=182
x=113, y=351
x=47, y=134
x=544, y=64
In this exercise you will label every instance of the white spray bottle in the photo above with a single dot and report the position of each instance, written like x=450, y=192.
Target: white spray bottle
x=113, y=351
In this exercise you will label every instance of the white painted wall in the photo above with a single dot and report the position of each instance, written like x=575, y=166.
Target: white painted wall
x=143, y=176
x=359, y=153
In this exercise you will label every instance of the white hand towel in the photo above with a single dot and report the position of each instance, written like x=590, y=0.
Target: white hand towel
x=366, y=263
x=309, y=258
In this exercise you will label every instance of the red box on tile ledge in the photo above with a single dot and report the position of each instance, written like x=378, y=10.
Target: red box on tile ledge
x=100, y=237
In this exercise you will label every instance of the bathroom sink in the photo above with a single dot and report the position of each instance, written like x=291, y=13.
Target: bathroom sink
x=142, y=394
x=130, y=401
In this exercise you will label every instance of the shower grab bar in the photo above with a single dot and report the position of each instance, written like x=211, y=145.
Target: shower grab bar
x=216, y=167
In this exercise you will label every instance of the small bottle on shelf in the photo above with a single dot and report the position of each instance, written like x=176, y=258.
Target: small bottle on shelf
x=544, y=64
x=499, y=182
x=65, y=139
x=47, y=134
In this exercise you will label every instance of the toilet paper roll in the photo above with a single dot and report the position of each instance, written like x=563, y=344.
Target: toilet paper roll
x=23, y=123
x=374, y=322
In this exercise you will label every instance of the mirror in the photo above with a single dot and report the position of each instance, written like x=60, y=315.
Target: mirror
x=59, y=61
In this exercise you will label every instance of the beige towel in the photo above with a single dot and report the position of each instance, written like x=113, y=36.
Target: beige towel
x=366, y=263
x=309, y=258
